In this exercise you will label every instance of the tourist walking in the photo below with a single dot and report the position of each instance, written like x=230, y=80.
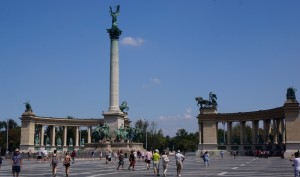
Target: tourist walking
x=156, y=158
x=148, y=157
x=165, y=161
x=28, y=155
x=206, y=159
x=73, y=155
x=296, y=164
x=121, y=160
x=132, y=159
x=53, y=163
x=100, y=155
x=234, y=154
x=67, y=163
x=222, y=154
x=93, y=154
x=179, y=160
x=108, y=157
x=39, y=156
x=16, y=162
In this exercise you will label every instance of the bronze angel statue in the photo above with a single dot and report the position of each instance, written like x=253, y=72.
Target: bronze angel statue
x=114, y=16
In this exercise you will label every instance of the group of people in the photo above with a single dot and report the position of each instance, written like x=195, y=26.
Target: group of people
x=69, y=158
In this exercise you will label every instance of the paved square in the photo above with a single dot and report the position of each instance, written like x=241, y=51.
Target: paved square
x=193, y=166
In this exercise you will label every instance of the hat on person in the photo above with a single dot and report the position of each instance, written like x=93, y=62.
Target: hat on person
x=178, y=151
x=156, y=150
x=17, y=150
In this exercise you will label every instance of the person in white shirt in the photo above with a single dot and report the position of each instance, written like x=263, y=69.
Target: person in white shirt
x=179, y=159
x=165, y=161
x=296, y=164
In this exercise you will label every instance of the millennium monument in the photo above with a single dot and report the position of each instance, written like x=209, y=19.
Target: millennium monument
x=279, y=133
x=113, y=132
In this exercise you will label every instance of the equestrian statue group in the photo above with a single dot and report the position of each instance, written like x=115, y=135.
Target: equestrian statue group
x=131, y=134
x=211, y=102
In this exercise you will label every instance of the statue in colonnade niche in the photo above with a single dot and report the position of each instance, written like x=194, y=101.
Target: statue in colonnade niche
x=71, y=142
x=58, y=141
x=36, y=139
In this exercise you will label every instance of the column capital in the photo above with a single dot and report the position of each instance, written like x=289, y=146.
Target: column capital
x=114, y=33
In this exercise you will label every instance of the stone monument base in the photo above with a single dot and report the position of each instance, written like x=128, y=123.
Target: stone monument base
x=124, y=146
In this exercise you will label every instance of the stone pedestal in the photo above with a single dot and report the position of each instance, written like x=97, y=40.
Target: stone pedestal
x=114, y=120
x=292, y=124
x=208, y=130
x=27, y=132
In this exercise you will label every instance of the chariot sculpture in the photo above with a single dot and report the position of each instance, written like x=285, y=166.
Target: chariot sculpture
x=212, y=102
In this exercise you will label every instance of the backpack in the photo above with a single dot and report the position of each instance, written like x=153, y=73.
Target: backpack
x=54, y=159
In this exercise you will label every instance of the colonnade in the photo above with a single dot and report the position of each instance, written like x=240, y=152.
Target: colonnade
x=52, y=136
x=276, y=129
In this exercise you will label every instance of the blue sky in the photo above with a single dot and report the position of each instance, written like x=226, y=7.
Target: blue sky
x=55, y=54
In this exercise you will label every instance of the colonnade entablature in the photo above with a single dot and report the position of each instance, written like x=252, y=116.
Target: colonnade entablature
x=276, y=113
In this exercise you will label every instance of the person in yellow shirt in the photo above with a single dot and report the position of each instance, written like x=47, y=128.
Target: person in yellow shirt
x=156, y=159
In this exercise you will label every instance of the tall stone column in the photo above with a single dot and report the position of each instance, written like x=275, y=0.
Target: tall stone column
x=229, y=129
x=89, y=135
x=114, y=34
x=114, y=118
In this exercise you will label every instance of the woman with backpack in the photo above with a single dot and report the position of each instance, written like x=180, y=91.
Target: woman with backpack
x=54, y=161
x=67, y=162
x=121, y=160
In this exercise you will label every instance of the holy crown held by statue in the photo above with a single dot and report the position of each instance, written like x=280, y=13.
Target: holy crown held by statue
x=212, y=102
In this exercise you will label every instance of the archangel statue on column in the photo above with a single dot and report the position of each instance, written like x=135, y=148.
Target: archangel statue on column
x=114, y=16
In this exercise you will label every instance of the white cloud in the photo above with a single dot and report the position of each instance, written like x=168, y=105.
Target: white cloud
x=153, y=82
x=188, y=113
x=132, y=41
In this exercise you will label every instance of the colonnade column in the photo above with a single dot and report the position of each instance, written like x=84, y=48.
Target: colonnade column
x=42, y=135
x=229, y=128
x=267, y=129
x=275, y=125
x=76, y=136
x=242, y=132
x=65, y=135
x=283, y=130
x=53, y=135
x=254, y=131
x=89, y=135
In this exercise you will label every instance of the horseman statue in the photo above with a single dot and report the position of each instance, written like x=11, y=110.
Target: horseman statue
x=28, y=107
x=123, y=107
x=291, y=93
x=212, y=102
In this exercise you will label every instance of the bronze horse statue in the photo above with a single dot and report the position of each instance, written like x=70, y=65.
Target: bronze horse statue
x=212, y=102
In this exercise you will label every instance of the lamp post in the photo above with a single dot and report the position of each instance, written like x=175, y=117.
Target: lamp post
x=7, y=137
x=146, y=139
x=223, y=123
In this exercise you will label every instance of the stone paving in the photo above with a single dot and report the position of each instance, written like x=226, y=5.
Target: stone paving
x=193, y=166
